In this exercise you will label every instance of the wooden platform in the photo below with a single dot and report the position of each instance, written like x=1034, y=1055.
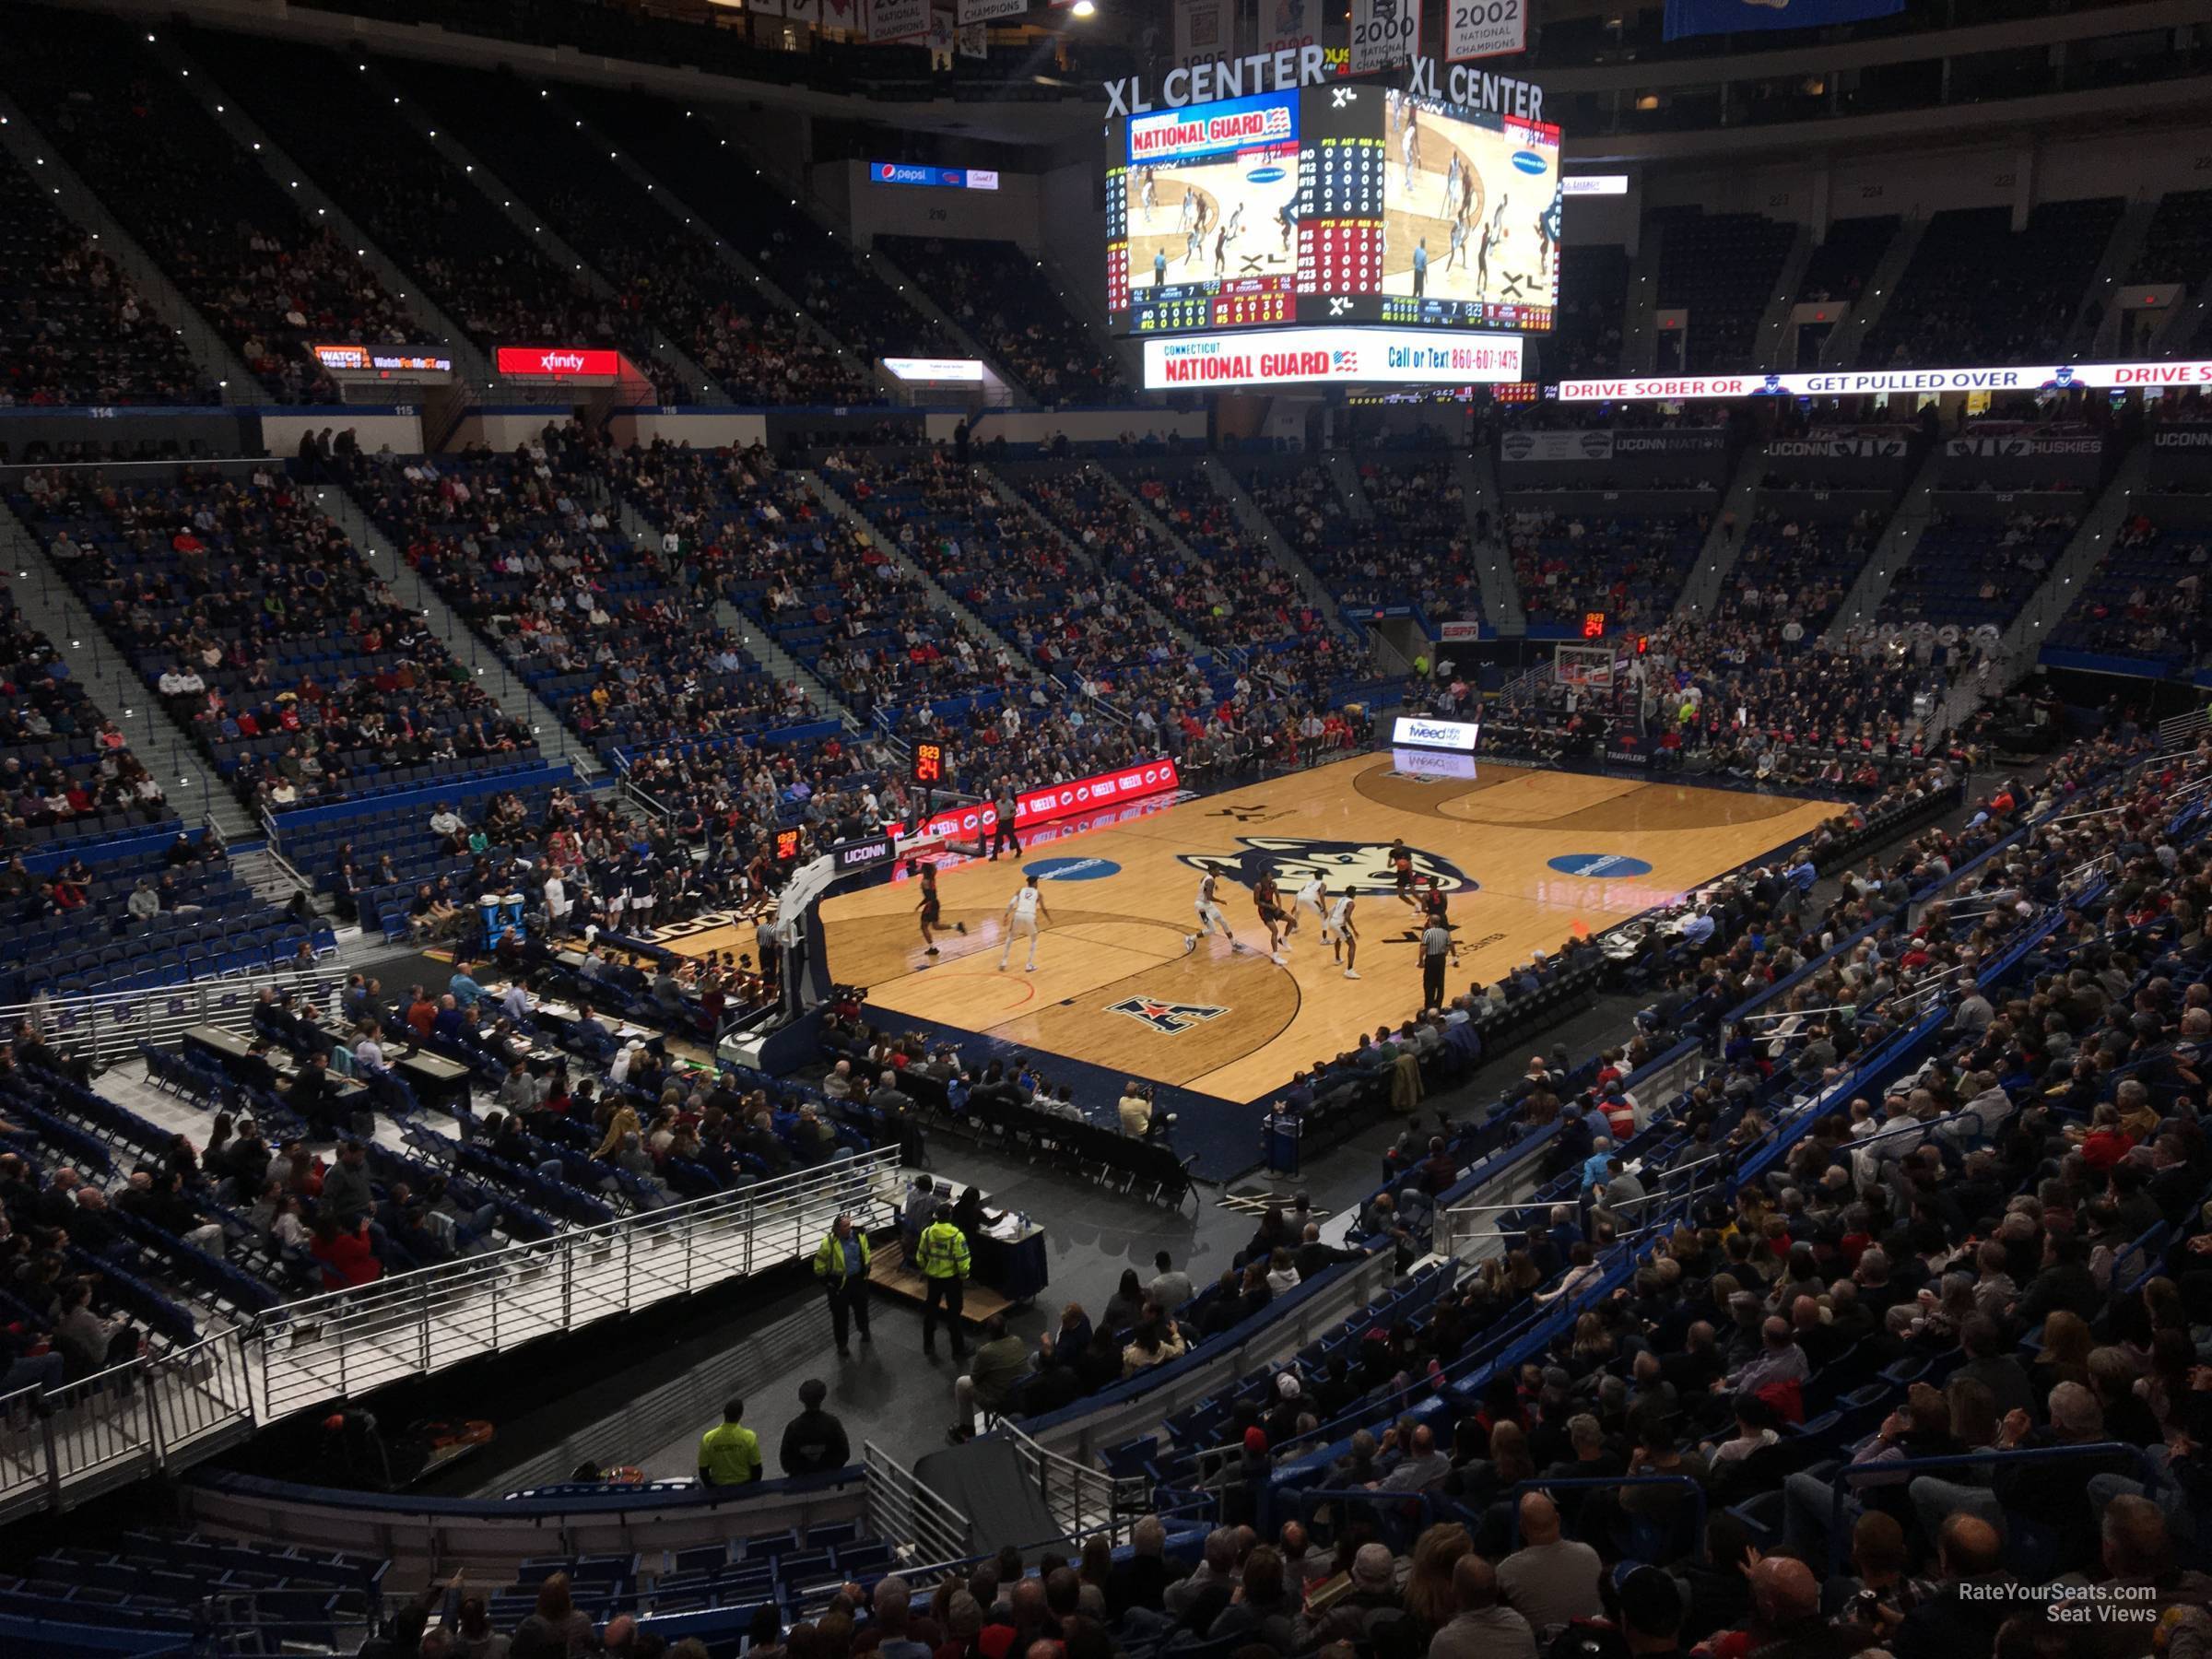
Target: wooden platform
x=889, y=1271
x=1529, y=857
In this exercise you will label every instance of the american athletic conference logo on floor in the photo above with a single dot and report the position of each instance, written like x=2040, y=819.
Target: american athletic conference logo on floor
x=1170, y=1019
x=1364, y=866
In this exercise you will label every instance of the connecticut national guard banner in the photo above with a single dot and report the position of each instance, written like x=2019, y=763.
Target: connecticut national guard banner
x=1731, y=17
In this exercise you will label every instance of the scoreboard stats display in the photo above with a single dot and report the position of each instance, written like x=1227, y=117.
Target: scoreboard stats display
x=1332, y=204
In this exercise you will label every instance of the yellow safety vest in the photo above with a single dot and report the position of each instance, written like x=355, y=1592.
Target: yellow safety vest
x=830, y=1255
x=943, y=1252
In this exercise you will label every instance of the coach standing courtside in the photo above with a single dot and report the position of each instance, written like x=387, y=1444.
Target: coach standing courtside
x=840, y=1261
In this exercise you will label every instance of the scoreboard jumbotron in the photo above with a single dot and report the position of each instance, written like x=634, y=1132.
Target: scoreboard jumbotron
x=1336, y=208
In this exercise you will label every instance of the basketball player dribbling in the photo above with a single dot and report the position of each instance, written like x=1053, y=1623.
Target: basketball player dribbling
x=1401, y=871
x=1209, y=916
x=1268, y=898
x=932, y=915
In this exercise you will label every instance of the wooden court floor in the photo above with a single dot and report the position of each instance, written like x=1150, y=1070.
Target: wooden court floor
x=1528, y=856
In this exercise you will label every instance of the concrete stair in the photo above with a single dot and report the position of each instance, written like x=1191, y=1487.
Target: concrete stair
x=75, y=200
x=1476, y=476
x=1842, y=348
x=555, y=741
x=1258, y=525
x=1770, y=340
x=1640, y=313
x=1344, y=473
x=195, y=790
x=471, y=366
x=710, y=391
x=973, y=626
x=2119, y=249
x=1701, y=592
x=1159, y=527
x=1899, y=538
x=2069, y=574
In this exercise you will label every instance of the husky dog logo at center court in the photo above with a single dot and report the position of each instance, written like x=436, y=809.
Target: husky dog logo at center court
x=1363, y=866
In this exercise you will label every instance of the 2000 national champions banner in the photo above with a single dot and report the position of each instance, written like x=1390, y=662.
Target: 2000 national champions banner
x=1383, y=33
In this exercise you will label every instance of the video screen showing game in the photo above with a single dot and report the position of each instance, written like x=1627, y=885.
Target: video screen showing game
x=1471, y=217
x=1224, y=214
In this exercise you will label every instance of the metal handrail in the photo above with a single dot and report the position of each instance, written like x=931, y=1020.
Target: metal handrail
x=100, y=1024
x=901, y=1506
x=166, y=1411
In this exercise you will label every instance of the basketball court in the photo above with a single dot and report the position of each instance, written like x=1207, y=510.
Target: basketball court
x=1486, y=191
x=1528, y=857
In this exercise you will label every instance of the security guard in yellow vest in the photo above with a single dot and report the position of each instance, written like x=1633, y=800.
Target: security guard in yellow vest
x=840, y=1261
x=729, y=1454
x=942, y=1254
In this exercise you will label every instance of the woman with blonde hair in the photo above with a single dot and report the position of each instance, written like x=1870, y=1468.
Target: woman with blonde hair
x=2066, y=1356
x=1429, y=1603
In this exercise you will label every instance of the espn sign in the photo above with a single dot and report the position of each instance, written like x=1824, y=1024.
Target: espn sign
x=559, y=362
x=1283, y=356
x=1057, y=801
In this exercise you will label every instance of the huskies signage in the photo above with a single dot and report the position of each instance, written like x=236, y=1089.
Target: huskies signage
x=1290, y=67
x=1363, y=866
x=2021, y=446
x=1836, y=443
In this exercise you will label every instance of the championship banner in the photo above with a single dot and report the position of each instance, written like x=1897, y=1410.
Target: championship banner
x=1479, y=29
x=839, y=14
x=1286, y=25
x=1858, y=383
x=897, y=20
x=983, y=11
x=941, y=27
x=1686, y=17
x=974, y=40
x=805, y=11
x=1201, y=32
x=1383, y=33
x=765, y=9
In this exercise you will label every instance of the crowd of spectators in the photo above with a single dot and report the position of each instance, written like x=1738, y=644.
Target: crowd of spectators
x=1795, y=568
x=1630, y=567
x=65, y=762
x=264, y=632
x=270, y=280
x=424, y=212
x=1977, y=292
x=2146, y=598
x=1736, y=696
x=666, y=274
x=1969, y=571
x=1005, y=301
x=75, y=329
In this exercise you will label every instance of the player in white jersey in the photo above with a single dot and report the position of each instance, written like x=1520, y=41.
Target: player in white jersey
x=1189, y=221
x=1209, y=916
x=1347, y=935
x=1308, y=903
x=1023, y=913
x=1451, y=201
